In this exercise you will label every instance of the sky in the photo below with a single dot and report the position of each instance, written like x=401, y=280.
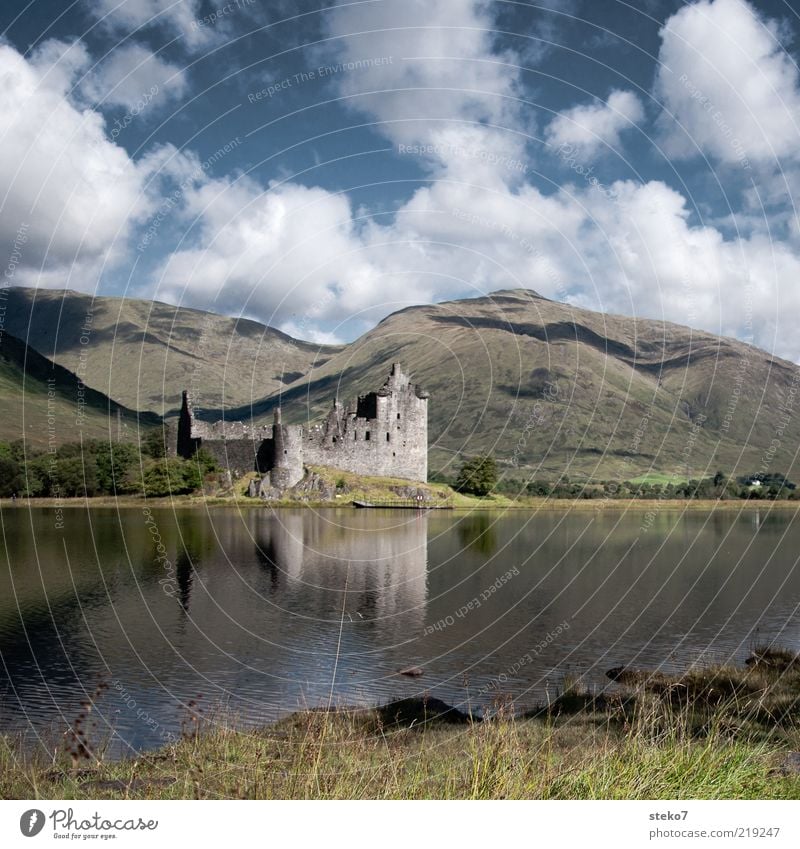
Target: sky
x=318, y=166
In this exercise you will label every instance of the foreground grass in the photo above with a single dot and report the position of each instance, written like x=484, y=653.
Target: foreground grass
x=715, y=733
x=345, y=756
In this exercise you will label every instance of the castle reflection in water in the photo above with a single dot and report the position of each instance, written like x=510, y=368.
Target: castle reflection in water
x=365, y=568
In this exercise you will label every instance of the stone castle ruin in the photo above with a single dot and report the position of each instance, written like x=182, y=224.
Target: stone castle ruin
x=383, y=434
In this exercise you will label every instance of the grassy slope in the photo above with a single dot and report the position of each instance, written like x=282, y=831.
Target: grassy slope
x=144, y=353
x=485, y=362
x=24, y=409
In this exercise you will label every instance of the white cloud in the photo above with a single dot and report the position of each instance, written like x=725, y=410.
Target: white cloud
x=430, y=75
x=295, y=256
x=77, y=193
x=133, y=77
x=299, y=258
x=59, y=62
x=596, y=126
x=291, y=255
x=182, y=18
x=729, y=84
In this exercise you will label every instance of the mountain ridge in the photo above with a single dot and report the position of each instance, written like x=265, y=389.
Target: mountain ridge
x=547, y=387
x=143, y=353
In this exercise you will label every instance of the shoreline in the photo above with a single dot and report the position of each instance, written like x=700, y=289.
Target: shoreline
x=709, y=732
x=598, y=505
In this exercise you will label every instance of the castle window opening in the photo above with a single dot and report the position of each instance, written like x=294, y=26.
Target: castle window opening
x=366, y=436
x=387, y=435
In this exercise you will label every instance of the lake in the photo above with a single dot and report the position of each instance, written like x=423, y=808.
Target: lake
x=256, y=613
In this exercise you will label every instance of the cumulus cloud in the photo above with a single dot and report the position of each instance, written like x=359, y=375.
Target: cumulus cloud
x=260, y=245
x=77, y=194
x=596, y=126
x=303, y=260
x=182, y=18
x=438, y=82
x=297, y=256
x=729, y=86
x=132, y=75
x=58, y=62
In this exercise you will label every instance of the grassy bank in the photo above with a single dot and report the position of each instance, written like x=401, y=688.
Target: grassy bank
x=715, y=733
x=459, y=502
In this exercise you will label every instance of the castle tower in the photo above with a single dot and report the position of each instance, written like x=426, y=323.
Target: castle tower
x=287, y=457
x=187, y=444
x=407, y=421
x=386, y=435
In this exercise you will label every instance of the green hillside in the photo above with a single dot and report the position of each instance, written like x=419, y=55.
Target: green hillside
x=144, y=353
x=47, y=405
x=559, y=390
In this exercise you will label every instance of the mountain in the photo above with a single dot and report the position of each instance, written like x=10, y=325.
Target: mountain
x=546, y=387
x=143, y=353
x=48, y=405
x=556, y=389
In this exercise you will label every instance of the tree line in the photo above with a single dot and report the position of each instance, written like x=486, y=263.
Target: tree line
x=480, y=476
x=98, y=467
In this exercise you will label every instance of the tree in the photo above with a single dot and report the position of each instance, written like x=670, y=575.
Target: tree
x=11, y=481
x=114, y=461
x=36, y=477
x=539, y=488
x=155, y=443
x=75, y=477
x=478, y=476
x=205, y=461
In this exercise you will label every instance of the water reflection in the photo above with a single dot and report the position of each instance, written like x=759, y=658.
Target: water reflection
x=264, y=612
x=261, y=612
x=477, y=531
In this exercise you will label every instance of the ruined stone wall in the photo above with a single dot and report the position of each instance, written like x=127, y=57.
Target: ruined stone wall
x=227, y=431
x=392, y=444
x=237, y=455
x=235, y=446
x=384, y=434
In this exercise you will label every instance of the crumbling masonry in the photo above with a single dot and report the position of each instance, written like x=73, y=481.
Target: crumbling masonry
x=384, y=433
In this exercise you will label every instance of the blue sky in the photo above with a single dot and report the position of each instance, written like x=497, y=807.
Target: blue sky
x=319, y=167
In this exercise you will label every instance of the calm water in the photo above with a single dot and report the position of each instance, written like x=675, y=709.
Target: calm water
x=264, y=612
